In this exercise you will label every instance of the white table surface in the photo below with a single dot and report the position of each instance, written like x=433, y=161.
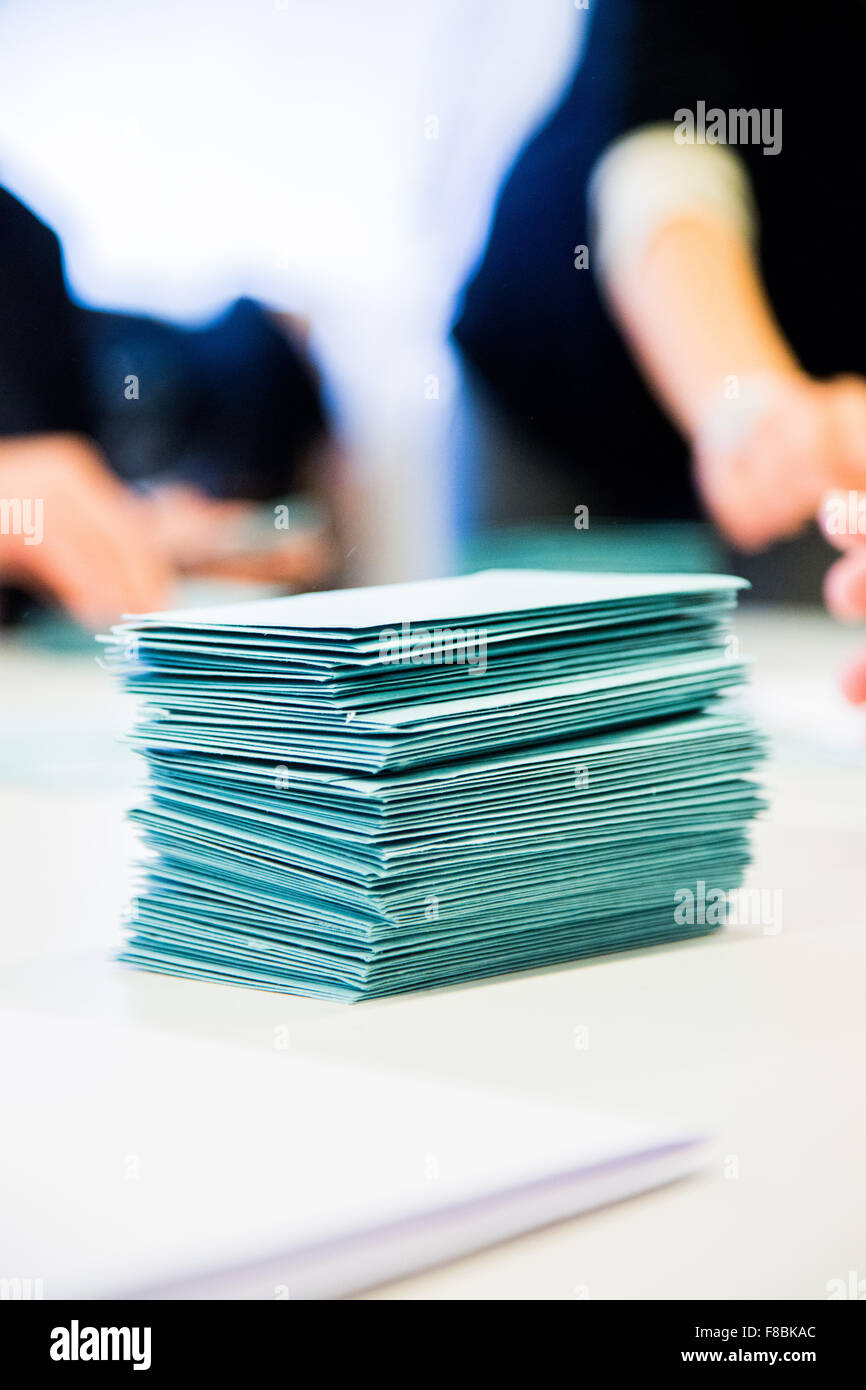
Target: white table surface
x=759, y=1038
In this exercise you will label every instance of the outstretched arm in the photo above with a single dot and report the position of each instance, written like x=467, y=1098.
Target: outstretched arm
x=675, y=233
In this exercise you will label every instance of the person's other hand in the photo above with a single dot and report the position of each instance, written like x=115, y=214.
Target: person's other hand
x=70, y=529
x=765, y=460
x=218, y=538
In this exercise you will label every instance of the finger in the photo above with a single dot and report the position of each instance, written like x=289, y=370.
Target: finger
x=757, y=504
x=92, y=555
x=723, y=483
x=74, y=574
x=140, y=574
x=146, y=570
x=83, y=558
x=854, y=680
x=845, y=586
x=300, y=563
x=193, y=529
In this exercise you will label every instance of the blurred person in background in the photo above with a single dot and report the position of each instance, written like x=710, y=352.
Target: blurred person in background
x=132, y=489
x=336, y=161
x=686, y=229
x=626, y=231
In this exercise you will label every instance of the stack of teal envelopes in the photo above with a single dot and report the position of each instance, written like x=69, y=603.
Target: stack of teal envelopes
x=367, y=791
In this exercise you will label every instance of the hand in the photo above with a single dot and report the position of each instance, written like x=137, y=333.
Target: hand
x=70, y=529
x=228, y=539
x=764, y=461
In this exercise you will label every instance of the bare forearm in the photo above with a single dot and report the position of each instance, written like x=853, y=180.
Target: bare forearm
x=695, y=313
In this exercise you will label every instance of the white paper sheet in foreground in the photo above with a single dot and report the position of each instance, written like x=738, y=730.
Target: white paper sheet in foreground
x=136, y=1164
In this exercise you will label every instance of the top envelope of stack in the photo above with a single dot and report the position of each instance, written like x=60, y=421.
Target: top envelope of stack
x=401, y=675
